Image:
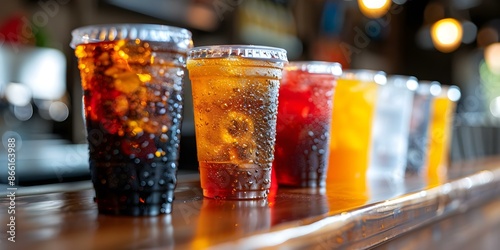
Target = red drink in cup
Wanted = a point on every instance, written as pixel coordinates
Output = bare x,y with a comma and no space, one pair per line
304,117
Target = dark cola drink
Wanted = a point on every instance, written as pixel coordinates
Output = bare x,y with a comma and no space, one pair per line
133,102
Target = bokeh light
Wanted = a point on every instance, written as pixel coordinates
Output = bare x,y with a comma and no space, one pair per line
446,34
23,113
58,111
18,94
433,12
495,107
453,93
486,36
374,8
470,32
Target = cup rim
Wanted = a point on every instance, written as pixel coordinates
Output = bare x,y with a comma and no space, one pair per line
315,67
451,92
260,52
368,75
403,81
431,88
180,37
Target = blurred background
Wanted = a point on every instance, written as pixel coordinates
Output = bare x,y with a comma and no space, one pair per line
455,42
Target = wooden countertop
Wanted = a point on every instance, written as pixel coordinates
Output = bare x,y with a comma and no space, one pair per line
64,216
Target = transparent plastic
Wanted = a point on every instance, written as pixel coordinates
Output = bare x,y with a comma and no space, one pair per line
304,119
132,82
365,75
440,133
243,51
173,37
418,138
315,67
354,105
235,100
390,130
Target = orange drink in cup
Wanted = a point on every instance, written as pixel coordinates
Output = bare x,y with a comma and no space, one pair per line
235,99
441,128
353,110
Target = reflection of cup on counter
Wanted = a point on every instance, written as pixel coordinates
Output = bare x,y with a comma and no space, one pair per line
132,79
235,98
220,220
343,196
139,232
306,203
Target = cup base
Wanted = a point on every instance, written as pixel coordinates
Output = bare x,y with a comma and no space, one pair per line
236,195
235,181
124,188
306,183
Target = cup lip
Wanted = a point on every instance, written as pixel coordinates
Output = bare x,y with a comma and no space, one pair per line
315,67
451,92
403,81
431,88
368,75
259,52
180,37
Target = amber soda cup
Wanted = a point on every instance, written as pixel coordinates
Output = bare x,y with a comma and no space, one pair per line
132,79
235,99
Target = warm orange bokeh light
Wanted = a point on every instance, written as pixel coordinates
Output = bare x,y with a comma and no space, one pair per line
374,8
446,34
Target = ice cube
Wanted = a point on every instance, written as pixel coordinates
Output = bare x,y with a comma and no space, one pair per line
127,82
236,127
243,151
121,105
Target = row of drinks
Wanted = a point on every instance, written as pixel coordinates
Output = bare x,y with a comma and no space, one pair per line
253,112
374,126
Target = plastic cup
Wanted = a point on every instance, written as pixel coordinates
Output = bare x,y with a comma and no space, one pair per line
418,139
441,128
390,129
132,79
235,100
303,127
353,109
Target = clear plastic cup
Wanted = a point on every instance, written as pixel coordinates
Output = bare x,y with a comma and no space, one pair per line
418,139
440,133
353,110
235,99
390,129
132,79
304,119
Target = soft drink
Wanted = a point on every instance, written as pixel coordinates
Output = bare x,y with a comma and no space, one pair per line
304,118
353,109
235,98
132,79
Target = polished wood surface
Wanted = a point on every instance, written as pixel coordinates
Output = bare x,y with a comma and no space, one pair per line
64,216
